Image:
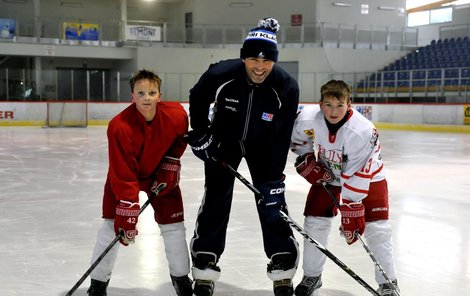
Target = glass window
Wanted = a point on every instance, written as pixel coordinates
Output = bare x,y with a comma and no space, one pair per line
418,18
441,15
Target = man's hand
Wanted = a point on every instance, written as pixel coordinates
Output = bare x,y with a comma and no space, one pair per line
352,220
204,145
125,222
168,173
311,170
274,199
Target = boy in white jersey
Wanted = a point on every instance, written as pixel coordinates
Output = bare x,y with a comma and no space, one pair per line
338,145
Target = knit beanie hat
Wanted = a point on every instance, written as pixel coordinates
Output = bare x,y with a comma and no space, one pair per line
261,42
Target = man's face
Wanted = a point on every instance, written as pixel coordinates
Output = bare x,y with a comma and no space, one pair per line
146,97
258,69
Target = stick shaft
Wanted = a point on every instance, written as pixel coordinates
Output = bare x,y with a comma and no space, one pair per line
304,234
111,245
359,237
259,196
330,255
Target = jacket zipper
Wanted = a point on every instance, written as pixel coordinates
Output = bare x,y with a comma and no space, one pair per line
247,121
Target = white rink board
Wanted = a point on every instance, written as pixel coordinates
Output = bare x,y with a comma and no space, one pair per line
35,113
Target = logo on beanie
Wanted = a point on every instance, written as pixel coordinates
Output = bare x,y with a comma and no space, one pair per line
262,35
261,55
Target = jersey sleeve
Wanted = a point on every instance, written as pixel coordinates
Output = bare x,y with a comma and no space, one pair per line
302,134
363,162
181,123
123,164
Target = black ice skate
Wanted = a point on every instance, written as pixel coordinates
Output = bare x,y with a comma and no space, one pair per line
97,288
283,288
386,289
308,285
203,288
183,285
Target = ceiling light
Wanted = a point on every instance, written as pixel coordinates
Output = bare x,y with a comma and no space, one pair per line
389,8
241,4
341,4
15,1
71,4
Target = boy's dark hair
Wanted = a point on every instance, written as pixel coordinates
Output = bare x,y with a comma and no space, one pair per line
145,74
337,89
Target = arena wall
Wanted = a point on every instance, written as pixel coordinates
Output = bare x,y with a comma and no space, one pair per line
429,117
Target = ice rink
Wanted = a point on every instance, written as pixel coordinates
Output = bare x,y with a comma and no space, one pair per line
51,184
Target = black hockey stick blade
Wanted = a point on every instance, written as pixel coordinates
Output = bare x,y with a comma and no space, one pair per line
328,254
113,242
359,237
259,196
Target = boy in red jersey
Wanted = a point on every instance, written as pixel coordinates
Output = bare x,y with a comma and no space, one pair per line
145,142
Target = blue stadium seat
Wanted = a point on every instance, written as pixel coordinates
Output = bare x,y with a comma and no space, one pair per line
439,63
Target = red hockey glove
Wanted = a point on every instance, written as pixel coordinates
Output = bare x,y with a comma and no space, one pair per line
127,214
168,173
352,220
311,170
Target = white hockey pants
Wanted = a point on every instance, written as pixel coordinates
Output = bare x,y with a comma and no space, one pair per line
174,239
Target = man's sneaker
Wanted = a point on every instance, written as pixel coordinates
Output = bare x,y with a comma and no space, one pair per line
203,288
308,285
283,288
97,288
386,289
183,285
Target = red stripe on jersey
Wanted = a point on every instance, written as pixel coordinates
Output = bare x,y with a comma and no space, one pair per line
361,175
377,171
378,148
344,176
365,176
354,189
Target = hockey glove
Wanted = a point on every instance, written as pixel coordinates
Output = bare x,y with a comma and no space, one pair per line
204,145
168,173
311,170
352,220
125,222
274,199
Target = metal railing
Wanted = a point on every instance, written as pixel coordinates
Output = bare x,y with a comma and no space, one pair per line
51,31
408,86
112,86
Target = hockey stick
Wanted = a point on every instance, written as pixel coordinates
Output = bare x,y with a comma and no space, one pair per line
258,194
329,254
359,237
305,235
113,242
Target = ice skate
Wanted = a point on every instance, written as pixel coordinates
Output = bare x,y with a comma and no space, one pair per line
97,288
283,288
183,285
203,288
308,285
386,289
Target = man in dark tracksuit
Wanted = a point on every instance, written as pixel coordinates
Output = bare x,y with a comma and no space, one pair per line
255,105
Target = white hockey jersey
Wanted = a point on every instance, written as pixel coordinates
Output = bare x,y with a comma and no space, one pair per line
352,154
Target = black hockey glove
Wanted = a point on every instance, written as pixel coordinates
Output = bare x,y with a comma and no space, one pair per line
204,145
274,199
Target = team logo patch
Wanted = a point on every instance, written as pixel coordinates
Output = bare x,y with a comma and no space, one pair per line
310,133
374,138
267,116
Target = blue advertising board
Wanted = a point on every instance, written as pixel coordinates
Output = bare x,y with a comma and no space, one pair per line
7,28
81,31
